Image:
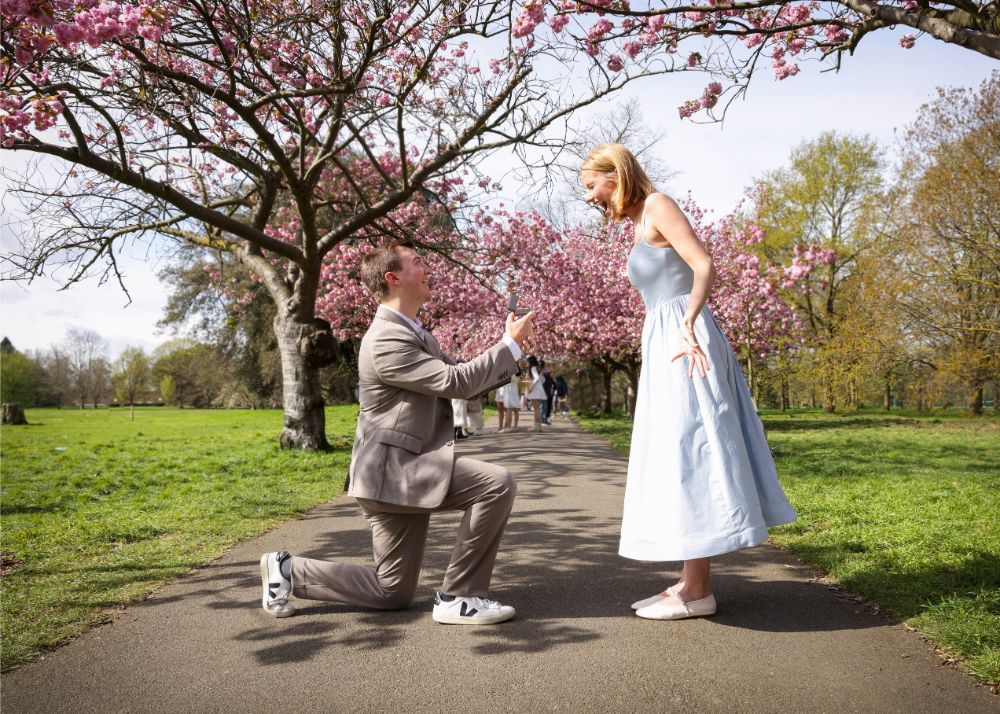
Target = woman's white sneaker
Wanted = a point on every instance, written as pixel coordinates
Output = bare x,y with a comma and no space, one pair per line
454,610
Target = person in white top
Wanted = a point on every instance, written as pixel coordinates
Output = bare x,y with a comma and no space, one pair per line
512,404
536,391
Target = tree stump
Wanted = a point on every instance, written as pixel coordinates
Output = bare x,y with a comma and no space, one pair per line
13,414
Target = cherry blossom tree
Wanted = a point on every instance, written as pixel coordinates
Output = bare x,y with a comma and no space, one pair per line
275,131
729,40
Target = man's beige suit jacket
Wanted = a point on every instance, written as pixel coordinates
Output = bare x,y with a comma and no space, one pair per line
404,449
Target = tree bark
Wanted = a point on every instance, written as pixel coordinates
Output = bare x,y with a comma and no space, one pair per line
633,391
887,399
977,401
13,414
828,398
606,374
304,348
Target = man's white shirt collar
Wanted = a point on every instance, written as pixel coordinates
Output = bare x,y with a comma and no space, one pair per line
415,324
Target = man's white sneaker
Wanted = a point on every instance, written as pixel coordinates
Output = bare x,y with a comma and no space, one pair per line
469,610
276,588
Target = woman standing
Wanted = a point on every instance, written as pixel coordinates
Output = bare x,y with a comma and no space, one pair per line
701,480
501,411
536,391
512,403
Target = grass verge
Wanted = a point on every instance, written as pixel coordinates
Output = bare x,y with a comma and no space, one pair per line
900,509
97,510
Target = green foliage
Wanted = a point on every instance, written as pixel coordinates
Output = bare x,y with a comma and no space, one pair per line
168,389
97,510
901,510
19,378
196,369
130,375
828,193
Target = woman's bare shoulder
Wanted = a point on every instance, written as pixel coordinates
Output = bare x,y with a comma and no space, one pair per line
660,201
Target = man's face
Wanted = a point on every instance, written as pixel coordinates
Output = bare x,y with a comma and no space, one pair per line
599,187
411,278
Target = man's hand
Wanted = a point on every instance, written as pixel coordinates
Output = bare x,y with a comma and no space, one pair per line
521,330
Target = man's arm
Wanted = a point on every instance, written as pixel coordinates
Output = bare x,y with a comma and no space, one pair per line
400,362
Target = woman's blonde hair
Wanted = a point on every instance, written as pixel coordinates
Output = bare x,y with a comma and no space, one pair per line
633,184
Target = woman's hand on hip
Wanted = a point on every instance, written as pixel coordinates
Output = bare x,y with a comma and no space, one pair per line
696,357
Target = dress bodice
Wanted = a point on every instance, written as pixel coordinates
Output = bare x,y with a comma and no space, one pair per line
658,273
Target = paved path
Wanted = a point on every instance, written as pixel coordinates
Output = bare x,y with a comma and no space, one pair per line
779,643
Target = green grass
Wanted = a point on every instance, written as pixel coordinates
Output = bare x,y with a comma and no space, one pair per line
901,509
97,510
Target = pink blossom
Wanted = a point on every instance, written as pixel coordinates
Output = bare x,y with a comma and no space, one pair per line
907,41
559,22
632,48
599,29
615,63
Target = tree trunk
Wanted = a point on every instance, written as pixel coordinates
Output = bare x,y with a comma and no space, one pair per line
606,374
304,348
977,401
13,414
828,403
633,391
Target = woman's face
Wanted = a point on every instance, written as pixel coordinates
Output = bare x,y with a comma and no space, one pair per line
599,187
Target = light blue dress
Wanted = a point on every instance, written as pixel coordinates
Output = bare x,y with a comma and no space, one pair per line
701,480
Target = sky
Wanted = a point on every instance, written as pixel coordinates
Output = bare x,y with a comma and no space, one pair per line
877,91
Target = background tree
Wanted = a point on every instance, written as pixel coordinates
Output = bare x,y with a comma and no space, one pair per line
829,198
196,372
215,299
729,40
949,234
19,376
130,377
168,389
270,130
56,387
87,354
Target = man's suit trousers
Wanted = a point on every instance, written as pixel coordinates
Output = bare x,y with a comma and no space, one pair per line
484,491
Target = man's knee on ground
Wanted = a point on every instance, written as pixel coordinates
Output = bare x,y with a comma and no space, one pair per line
396,595
506,484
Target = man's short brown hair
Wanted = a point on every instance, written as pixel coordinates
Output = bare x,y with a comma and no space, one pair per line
382,260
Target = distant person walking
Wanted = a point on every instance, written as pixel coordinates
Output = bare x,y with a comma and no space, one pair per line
536,391
549,385
562,396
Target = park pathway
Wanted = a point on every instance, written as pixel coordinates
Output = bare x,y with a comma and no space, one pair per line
781,642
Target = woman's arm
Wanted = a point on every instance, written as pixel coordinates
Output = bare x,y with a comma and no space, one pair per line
666,217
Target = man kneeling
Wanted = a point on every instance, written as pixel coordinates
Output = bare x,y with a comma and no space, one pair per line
403,467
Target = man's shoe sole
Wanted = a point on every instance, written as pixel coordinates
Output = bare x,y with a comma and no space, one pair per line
465,620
